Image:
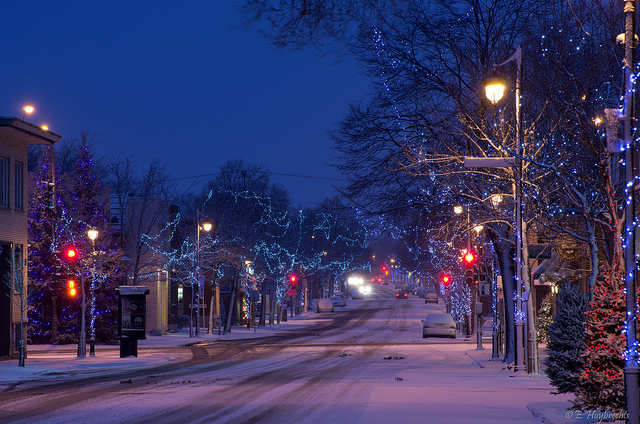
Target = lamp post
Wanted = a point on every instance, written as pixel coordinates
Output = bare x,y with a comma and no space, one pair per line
458,210
206,226
93,235
494,89
496,200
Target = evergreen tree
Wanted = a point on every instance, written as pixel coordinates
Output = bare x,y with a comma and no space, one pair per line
84,205
47,314
566,339
545,318
601,383
54,316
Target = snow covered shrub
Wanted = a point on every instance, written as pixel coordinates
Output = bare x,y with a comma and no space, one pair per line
601,382
566,340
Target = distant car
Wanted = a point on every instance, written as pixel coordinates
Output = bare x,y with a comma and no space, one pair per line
337,301
341,296
439,325
402,295
356,294
420,292
324,305
410,288
431,297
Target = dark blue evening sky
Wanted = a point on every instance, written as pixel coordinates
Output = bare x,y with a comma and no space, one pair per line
176,80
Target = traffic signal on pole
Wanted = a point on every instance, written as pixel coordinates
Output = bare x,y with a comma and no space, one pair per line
71,288
469,259
51,195
70,254
445,279
293,279
469,277
385,270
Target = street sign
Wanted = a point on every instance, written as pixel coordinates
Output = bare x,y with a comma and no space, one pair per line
474,162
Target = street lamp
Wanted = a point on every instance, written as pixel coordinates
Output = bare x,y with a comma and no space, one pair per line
494,89
206,226
28,109
92,233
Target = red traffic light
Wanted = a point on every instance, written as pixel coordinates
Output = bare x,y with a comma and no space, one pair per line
293,279
446,279
469,258
71,287
384,269
71,254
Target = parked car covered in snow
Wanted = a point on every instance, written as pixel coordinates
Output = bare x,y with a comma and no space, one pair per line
324,305
439,325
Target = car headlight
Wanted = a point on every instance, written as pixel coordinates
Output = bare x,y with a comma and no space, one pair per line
364,289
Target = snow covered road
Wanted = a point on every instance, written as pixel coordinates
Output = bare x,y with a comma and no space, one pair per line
366,363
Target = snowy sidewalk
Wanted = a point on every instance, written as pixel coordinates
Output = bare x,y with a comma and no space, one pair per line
51,361
552,410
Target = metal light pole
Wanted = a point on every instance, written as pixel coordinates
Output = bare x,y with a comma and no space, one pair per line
206,226
628,118
494,92
82,343
93,235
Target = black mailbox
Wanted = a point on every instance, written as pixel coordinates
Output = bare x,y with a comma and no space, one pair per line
131,318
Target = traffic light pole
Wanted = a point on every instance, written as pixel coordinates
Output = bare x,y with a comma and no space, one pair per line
82,342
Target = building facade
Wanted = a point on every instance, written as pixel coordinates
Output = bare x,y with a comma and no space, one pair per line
15,137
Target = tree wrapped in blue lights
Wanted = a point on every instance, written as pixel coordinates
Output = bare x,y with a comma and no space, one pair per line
77,210
46,276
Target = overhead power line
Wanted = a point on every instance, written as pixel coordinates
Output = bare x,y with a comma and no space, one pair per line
312,177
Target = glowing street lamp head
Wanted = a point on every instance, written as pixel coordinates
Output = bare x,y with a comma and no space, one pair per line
494,87
496,199
207,226
28,109
92,234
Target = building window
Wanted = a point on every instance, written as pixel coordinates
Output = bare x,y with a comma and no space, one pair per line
4,182
19,185
180,299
